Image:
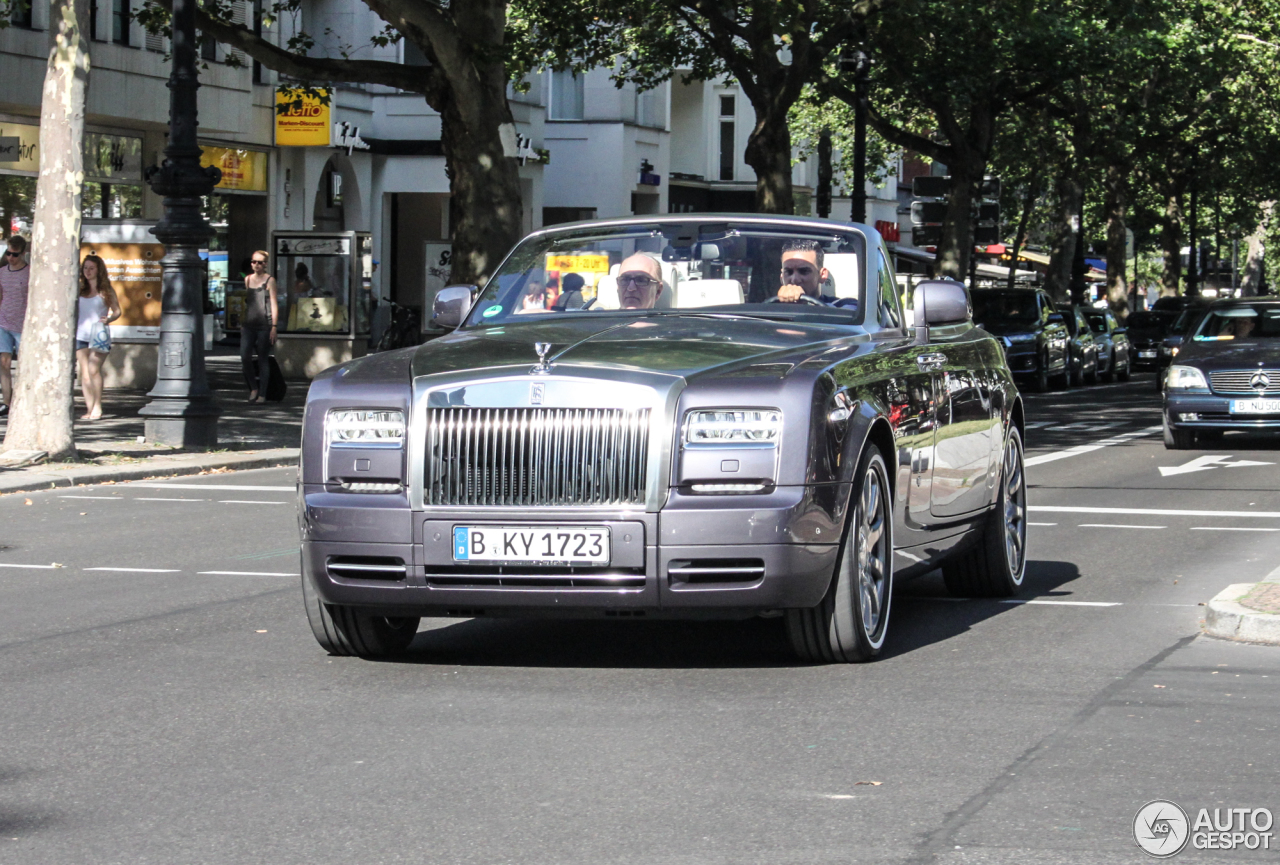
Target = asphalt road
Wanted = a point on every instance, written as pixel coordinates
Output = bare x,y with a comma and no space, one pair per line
164,701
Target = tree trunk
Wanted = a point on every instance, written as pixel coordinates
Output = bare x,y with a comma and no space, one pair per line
1066,226
1116,205
1251,280
42,406
769,153
485,184
1171,245
1028,204
956,247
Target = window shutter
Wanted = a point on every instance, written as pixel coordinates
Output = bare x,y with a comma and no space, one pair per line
239,15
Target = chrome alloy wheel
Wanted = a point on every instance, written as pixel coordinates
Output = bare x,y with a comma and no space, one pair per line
873,555
1015,508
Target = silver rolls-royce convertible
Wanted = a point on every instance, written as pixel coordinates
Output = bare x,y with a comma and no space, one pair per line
688,416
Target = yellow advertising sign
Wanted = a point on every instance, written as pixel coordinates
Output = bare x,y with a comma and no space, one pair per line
245,170
306,124
578,263
134,269
19,147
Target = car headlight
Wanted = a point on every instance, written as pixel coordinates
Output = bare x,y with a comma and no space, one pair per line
1185,378
733,426
1015,338
364,428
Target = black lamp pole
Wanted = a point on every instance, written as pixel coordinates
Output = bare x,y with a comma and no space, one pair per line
182,410
861,66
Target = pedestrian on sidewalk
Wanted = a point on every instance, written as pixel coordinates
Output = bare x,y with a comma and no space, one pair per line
15,277
97,307
258,326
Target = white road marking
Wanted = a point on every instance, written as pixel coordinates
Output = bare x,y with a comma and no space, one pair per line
248,574
1041,459
249,502
1229,529
139,570
1117,526
228,487
1207,463
100,498
1042,524
909,556
150,499
40,567
1153,512
1064,603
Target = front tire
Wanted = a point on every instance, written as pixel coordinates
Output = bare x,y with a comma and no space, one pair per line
996,565
343,631
1041,382
851,622
1178,439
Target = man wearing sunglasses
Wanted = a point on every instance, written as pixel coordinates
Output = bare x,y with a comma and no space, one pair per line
639,282
14,280
803,273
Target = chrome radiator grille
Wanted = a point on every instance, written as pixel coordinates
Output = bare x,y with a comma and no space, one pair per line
1237,381
536,456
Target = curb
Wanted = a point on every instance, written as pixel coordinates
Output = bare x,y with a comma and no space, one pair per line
1230,620
32,480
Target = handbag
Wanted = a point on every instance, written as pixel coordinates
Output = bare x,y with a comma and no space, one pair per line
100,338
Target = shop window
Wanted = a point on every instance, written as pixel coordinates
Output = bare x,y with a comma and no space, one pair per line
567,96
314,293
17,204
208,48
110,201
20,13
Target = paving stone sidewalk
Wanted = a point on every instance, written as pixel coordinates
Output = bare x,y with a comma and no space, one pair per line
249,435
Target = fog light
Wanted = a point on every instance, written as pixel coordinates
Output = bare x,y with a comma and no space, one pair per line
1188,415
728,488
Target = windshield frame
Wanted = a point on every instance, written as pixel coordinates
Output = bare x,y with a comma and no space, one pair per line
685,229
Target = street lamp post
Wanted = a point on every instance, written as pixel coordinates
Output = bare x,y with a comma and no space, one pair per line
861,66
182,410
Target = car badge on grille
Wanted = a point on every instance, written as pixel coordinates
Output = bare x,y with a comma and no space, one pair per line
1260,381
537,392
543,367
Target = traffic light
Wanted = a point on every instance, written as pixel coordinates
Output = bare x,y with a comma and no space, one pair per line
931,186
928,212
926,235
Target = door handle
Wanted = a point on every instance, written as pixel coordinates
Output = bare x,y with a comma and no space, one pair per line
931,361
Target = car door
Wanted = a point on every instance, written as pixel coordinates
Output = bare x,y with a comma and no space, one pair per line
963,445
1056,336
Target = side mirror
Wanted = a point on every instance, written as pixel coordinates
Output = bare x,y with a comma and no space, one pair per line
1056,318
451,304
941,301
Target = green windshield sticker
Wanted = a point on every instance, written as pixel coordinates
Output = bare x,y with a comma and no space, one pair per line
492,311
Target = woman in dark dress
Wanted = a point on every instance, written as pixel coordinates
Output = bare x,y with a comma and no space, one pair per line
258,326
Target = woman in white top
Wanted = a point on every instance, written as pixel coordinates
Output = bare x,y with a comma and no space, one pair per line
97,306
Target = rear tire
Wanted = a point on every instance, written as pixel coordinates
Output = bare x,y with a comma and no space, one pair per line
343,631
851,622
996,565
1178,439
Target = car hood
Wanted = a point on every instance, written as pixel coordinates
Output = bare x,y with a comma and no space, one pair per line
1230,355
677,345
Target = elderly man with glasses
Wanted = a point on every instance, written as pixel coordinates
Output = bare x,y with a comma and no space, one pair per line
639,282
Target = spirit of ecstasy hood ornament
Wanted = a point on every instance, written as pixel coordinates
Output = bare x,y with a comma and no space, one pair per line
543,368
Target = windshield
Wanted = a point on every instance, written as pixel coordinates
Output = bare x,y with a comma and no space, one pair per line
1239,323
1097,321
668,267
1186,318
989,306
1148,320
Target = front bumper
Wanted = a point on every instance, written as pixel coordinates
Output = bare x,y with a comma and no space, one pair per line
699,556
1022,360
1210,411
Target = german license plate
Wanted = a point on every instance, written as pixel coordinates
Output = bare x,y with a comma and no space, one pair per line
588,545
1255,406
1146,354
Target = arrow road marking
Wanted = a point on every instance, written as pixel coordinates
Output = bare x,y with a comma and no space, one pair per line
1205,463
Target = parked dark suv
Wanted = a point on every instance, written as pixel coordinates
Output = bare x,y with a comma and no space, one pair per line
1032,331
1227,375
